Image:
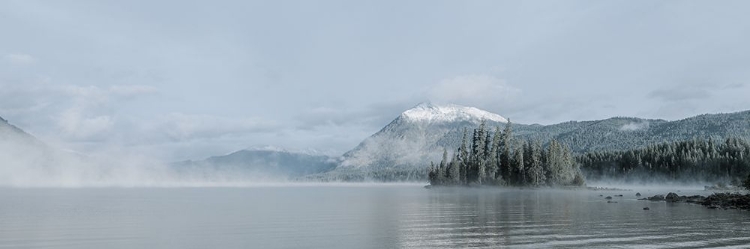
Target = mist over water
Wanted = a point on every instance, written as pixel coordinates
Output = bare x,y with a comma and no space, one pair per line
62,169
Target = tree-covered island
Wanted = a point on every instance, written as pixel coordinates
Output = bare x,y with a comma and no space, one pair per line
497,159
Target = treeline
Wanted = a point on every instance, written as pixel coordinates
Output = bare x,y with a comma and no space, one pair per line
696,159
495,158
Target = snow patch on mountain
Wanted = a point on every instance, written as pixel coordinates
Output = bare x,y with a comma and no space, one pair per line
427,112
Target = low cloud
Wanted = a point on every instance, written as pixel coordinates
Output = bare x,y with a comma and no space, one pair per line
373,116
685,100
634,126
478,90
20,59
181,126
76,113
100,94
681,93
77,126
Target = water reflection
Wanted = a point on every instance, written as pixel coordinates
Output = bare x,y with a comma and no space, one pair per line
357,217
561,218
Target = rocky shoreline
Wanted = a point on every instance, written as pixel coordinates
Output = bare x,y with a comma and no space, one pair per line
714,201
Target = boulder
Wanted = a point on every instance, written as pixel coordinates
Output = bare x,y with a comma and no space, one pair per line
637,194
656,198
672,197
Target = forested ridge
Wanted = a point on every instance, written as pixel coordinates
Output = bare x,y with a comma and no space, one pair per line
627,133
695,159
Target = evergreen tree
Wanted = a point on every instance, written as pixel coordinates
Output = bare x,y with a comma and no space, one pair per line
488,143
566,165
493,156
554,164
505,167
518,165
463,158
442,171
453,171
479,153
536,170
444,161
432,175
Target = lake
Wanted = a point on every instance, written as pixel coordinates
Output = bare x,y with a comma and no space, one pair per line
358,216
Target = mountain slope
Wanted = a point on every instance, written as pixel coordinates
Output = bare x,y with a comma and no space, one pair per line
417,136
414,138
10,133
23,158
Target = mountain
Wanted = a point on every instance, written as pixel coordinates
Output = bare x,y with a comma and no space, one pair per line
261,163
405,147
414,138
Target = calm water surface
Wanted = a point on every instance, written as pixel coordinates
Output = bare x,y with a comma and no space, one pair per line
357,217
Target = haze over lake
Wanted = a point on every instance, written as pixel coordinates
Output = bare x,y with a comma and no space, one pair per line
374,124
358,216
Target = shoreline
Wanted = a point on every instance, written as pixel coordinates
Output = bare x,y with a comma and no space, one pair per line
714,201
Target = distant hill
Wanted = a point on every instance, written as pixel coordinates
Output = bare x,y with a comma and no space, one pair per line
261,164
632,133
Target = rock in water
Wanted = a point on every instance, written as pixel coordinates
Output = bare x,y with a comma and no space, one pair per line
646,208
637,194
672,197
656,198
608,197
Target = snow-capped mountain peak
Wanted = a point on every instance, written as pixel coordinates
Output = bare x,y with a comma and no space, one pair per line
428,112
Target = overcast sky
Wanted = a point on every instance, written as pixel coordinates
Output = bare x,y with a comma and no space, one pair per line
186,79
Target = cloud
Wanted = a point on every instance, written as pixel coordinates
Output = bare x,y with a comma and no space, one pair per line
679,93
478,90
680,101
77,125
132,90
373,116
20,59
634,126
181,126
88,114
73,112
99,94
